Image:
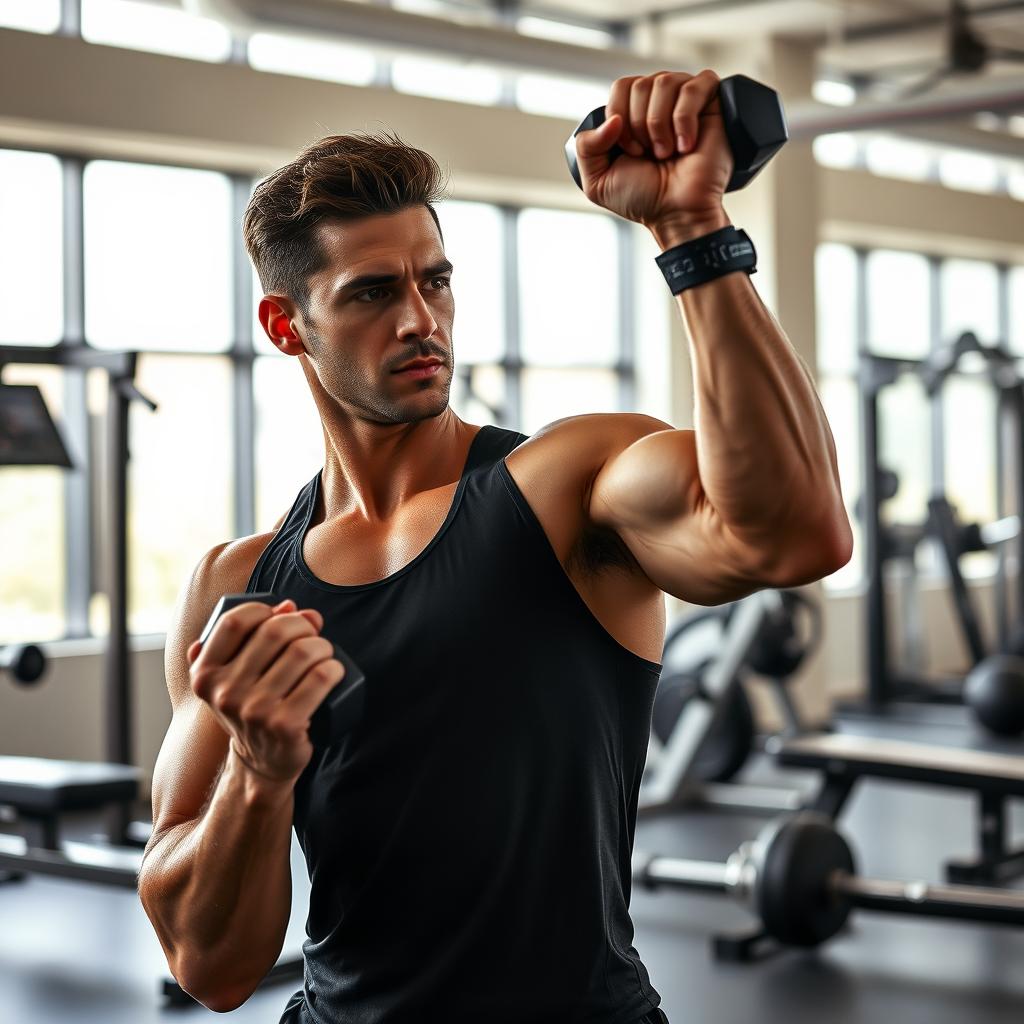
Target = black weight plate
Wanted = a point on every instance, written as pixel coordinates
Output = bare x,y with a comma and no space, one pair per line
793,896
788,635
728,744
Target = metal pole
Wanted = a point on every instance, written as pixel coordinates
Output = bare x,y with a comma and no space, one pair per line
1015,400
513,368
244,455
958,902
944,526
874,562
80,483
698,875
1004,417
117,673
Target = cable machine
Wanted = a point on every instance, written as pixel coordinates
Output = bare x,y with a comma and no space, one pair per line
888,543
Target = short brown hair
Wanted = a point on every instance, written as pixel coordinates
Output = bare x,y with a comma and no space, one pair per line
339,177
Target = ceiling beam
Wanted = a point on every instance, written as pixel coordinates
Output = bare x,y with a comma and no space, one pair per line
401,31
994,95
922,22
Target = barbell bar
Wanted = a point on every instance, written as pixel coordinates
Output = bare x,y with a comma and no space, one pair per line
799,877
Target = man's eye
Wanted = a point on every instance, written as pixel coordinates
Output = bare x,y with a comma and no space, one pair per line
370,295
445,282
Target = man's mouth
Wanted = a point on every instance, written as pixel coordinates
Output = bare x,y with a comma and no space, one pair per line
420,368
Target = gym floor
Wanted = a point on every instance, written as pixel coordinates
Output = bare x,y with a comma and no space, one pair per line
72,952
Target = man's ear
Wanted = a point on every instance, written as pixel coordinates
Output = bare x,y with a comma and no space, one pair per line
277,317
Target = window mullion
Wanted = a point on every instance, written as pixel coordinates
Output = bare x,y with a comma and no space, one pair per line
242,368
80,483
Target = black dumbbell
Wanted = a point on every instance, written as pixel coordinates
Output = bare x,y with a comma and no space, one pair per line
342,709
25,662
755,125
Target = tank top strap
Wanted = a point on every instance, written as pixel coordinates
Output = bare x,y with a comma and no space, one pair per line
491,444
275,555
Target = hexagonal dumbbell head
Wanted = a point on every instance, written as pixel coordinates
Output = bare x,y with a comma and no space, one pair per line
755,125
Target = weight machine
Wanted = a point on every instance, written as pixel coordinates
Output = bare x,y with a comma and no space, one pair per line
886,544
121,392
703,726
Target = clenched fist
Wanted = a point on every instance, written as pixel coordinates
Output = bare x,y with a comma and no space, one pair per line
264,672
676,162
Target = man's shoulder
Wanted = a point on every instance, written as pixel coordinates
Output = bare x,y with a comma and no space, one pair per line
582,444
234,559
555,470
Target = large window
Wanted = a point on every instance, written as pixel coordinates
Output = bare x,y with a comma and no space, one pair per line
893,156
32,507
447,79
559,96
474,242
33,579
31,281
312,58
30,15
906,304
157,27
235,433
289,438
158,244
898,307
569,314
180,478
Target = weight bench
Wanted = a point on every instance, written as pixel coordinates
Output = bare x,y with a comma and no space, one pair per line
995,778
40,790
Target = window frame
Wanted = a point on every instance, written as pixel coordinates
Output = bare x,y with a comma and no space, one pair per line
81,487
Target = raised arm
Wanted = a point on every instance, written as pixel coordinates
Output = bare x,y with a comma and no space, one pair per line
751,497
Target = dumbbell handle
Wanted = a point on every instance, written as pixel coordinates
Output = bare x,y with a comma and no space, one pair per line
342,708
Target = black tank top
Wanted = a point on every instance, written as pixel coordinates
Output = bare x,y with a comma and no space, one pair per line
469,844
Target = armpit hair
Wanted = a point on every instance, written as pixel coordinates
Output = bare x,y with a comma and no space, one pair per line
600,550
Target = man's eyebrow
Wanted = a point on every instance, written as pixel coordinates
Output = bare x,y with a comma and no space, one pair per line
374,280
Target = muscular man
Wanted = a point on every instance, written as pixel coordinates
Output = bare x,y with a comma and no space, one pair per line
469,843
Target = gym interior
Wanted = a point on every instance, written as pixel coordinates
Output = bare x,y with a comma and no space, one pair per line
145,417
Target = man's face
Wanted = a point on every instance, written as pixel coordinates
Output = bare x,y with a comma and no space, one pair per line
382,299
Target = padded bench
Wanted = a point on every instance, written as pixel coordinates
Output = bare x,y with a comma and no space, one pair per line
995,778
42,789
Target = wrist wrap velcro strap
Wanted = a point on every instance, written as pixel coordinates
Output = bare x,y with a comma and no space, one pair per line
705,258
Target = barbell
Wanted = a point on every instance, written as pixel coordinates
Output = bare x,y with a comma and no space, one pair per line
799,878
